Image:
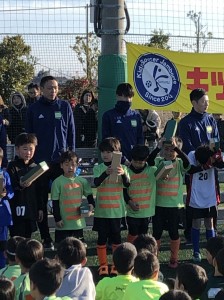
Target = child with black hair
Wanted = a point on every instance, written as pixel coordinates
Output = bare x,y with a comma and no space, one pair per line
46,276
212,247
147,242
146,268
114,288
27,203
202,194
192,279
77,282
28,252
216,281
110,206
12,270
170,282
141,193
7,289
6,194
169,196
175,295
66,193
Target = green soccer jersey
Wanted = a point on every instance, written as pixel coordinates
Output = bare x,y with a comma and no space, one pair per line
113,288
169,191
69,192
109,198
145,290
11,272
22,285
142,191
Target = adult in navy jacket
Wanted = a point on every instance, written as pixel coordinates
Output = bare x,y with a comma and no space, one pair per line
198,127
195,129
123,123
52,121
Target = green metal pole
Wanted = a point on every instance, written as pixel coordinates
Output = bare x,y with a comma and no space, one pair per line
112,66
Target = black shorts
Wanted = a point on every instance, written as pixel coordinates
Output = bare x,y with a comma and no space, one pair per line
201,213
137,226
107,225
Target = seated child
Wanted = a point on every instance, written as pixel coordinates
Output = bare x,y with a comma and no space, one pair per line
110,206
169,197
141,192
216,281
28,252
175,295
7,289
6,215
78,280
27,203
202,194
147,242
114,288
46,276
146,268
213,246
192,279
12,270
66,192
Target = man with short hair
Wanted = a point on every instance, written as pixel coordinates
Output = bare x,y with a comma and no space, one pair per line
51,119
195,129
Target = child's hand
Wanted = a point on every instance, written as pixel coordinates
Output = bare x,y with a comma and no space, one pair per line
24,184
91,208
134,206
109,170
120,170
40,216
160,143
173,142
59,224
3,194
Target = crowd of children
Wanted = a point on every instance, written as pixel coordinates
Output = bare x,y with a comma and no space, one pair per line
139,192
31,276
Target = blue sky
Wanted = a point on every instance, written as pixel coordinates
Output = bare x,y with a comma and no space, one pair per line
50,26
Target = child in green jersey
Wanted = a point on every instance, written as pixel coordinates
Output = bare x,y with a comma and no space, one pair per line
27,253
110,206
66,192
114,288
46,277
169,196
12,270
141,193
192,279
146,268
7,289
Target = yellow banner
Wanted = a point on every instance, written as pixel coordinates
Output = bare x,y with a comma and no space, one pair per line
163,79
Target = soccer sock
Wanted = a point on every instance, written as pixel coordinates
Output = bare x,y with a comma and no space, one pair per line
174,247
131,238
195,235
102,254
158,242
2,260
210,233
